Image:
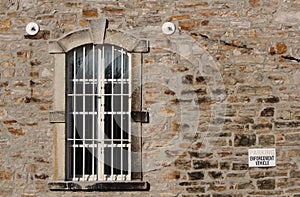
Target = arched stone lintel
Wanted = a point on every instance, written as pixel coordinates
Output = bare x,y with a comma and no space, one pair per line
96,34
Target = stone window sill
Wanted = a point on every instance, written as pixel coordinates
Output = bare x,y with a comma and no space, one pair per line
98,186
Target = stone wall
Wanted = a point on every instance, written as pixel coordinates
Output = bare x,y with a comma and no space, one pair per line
227,80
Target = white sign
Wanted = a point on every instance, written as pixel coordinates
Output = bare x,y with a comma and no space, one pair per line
265,157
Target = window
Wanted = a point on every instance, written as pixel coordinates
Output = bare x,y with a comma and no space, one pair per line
98,114
97,125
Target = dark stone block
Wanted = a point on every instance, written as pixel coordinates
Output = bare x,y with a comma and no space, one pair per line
188,183
200,155
262,126
240,166
267,112
215,175
196,175
245,140
188,79
183,164
200,164
203,100
268,184
195,189
41,176
287,124
273,99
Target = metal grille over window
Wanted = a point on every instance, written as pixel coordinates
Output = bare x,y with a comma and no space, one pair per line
98,114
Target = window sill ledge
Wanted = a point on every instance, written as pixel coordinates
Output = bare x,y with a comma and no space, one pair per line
98,186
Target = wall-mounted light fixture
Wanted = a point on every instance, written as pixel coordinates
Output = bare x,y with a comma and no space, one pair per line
32,28
168,28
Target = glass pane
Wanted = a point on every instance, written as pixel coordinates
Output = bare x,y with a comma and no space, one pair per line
107,126
125,103
79,104
88,127
90,103
117,160
117,88
125,126
117,128
125,67
89,62
78,161
79,63
90,88
107,103
117,67
107,160
125,160
125,89
117,103
78,88
108,62
78,126
107,88
88,161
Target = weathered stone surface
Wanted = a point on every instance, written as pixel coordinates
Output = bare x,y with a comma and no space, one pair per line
170,175
227,80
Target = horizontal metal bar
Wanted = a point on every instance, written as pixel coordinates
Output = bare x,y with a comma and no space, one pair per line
98,94
95,113
104,145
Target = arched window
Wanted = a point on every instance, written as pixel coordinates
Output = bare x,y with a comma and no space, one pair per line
97,110
98,113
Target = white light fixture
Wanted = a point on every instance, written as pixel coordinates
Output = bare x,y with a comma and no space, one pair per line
32,28
168,28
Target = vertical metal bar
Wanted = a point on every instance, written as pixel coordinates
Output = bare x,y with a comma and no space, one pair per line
122,103
74,114
112,111
129,122
93,116
101,113
83,118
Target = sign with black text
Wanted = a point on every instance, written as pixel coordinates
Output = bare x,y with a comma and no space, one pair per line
265,157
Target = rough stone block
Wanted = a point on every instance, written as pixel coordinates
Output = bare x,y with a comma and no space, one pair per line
196,175
245,140
5,176
267,184
170,175
204,164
